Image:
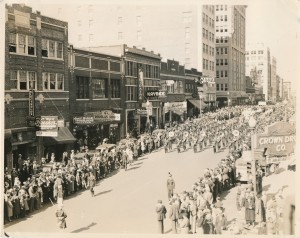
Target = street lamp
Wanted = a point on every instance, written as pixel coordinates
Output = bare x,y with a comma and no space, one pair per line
252,124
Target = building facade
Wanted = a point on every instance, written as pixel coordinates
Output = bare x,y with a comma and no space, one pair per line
230,54
286,90
273,97
36,85
95,97
258,67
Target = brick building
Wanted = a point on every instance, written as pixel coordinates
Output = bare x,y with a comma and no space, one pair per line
36,83
95,97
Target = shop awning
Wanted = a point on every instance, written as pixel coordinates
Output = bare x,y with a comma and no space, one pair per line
196,103
64,136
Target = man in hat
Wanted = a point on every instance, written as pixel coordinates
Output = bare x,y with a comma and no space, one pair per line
174,215
61,217
161,215
170,185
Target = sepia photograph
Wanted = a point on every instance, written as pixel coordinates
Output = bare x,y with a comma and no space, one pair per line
149,118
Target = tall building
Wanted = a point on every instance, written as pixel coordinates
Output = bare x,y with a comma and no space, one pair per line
258,66
286,89
36,86
178,31
230,54
273,80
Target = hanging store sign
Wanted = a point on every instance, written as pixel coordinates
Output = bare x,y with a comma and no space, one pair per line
141,112
48,122
83,120
31,103
176,105
279,140
141,84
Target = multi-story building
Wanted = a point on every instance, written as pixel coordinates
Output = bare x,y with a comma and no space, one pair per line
36,85
95,97
278,90
258,67
172,81
286,90
273,97
230,54
140,74
185,32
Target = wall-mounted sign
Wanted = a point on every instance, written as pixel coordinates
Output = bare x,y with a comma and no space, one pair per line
280,139
141,112
83,120
156,94
103,116
31,103
141,84
47,133
176,105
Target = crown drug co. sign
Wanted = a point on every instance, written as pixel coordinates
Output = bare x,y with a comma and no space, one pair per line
279,140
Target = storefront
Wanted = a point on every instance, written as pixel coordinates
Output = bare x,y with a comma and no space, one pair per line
92,128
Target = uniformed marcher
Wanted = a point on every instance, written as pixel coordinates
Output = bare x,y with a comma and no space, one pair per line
170,186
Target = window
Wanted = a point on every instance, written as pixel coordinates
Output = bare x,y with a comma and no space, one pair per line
53,81
120,35
212,51
253,52
226,87
225,51
187,48
225,73
120,20
218,87
91,37
203,32
217,7
99,88
139,35
217,74
203,63
115,88
91,23
22,80
82,89
131,68
21,44
187,17
225,62
222,88
139,20
217,18
222,75
131,93
225,18
187,33
225,30
52,49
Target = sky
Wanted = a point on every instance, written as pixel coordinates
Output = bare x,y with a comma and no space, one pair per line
272,22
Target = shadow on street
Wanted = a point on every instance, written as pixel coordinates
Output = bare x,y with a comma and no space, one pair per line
84,228
132,168
101,193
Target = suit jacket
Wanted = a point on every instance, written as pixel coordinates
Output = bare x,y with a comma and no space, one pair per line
174,212
161,212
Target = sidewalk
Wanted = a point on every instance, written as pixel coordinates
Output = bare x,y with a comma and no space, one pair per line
272,184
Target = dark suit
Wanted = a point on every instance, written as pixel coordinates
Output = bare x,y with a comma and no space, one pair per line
174,214
161,215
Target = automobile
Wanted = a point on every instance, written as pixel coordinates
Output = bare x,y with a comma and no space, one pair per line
103,147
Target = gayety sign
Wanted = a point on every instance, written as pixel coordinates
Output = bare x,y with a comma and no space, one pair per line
279,140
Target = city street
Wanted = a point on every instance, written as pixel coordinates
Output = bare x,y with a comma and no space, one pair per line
125,202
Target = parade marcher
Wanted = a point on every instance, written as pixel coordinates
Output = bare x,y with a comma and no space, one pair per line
61,217
92,183
193,214
170,186
161,215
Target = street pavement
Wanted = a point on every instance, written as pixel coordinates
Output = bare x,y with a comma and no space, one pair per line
124,202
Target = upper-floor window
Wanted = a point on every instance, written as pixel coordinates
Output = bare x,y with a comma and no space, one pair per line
115,88
82,89
99,88
52,49
187,17
131,92
22,80
139,20
21,44
53,81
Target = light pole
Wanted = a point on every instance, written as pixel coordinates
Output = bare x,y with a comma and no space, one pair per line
252,124
285,104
